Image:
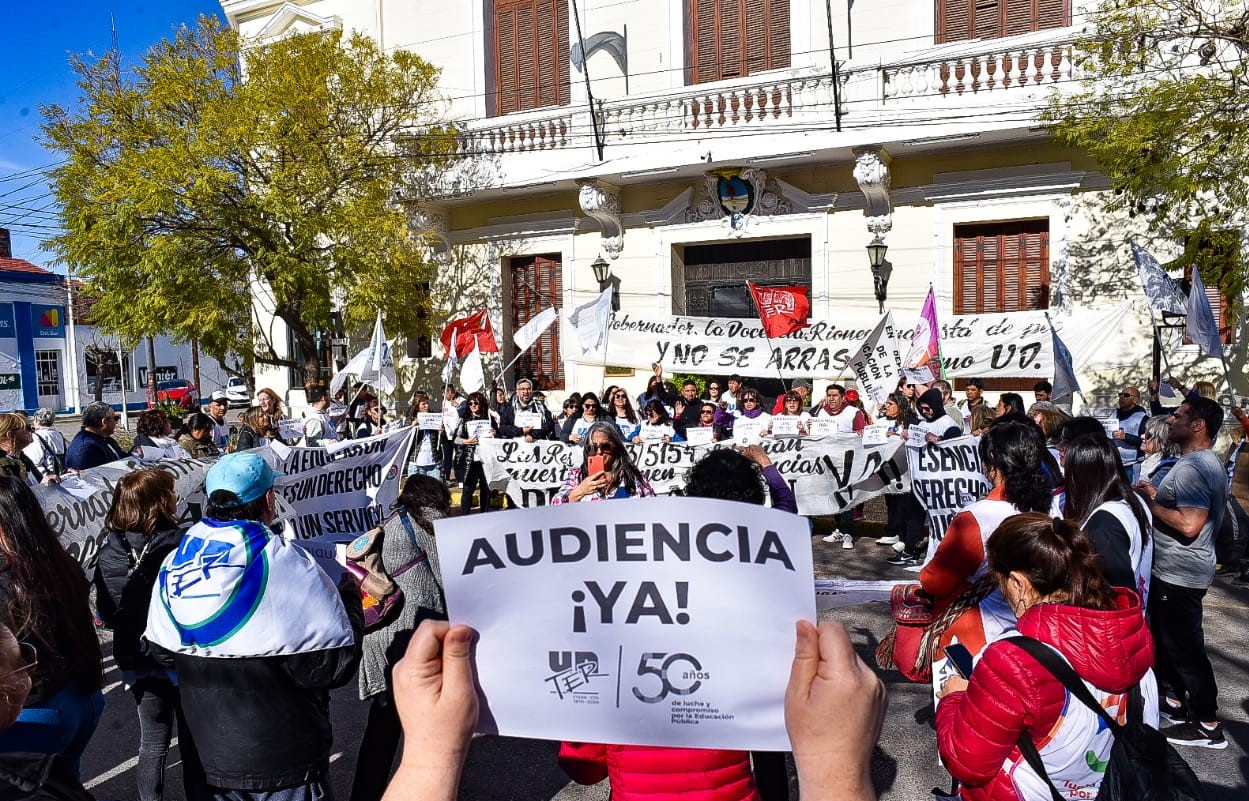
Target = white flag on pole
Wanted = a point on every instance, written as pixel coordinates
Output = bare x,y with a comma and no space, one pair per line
472,376
528,334
590,321
1065,383
1161,290
374,365
1201,326
448,370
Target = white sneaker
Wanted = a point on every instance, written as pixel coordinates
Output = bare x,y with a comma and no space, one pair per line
834,537
899,546
888,541
847,542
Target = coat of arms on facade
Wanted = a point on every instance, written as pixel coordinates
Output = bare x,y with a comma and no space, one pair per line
735,195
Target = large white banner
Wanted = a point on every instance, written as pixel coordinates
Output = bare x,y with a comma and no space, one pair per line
344,489
945,477
827,474
659,621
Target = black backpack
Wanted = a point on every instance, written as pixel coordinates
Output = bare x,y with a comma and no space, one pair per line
1143,766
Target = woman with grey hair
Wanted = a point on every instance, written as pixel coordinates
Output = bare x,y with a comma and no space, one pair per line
47,449
615,477
1161,453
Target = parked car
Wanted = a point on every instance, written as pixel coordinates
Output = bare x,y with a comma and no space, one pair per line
237,395
179,391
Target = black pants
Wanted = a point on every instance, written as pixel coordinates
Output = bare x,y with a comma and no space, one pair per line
448,459
475,478
157,704
905,520
1180,660
771,775
378,747
845,522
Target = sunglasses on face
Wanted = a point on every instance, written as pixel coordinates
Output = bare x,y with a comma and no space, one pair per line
1126,395
619,395
589,406
708,411
750,400
602,447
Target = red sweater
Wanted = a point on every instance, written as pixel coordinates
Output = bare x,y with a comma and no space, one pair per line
977,730
649,773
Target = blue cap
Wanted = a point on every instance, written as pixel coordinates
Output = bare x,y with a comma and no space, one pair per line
245,474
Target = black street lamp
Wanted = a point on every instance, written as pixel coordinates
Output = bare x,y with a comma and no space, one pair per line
881,269
602,274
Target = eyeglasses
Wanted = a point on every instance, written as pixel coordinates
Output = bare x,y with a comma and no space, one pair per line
570,405
716,387
708,411
1127,395
750,400
602,447
29,657
620,395
589,406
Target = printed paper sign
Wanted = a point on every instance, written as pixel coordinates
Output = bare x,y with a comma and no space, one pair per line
822,426
917,436
290,429
747,431
945,477
607,622
479,429
875,435
785,425
430,421
528,420
654,433
699,435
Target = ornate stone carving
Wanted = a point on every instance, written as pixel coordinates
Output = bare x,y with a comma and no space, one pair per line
602,202
431,223
871,170
735,196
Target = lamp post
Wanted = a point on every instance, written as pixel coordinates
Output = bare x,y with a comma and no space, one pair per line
602,274
881,269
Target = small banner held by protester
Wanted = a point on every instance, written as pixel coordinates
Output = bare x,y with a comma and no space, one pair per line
945,477
608,622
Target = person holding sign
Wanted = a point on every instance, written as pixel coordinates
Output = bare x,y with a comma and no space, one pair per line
525,416
657,427
606,470
626,418
476,421
426,448
793,420
752,421
318,427
904,524
576,427
848,420
937,424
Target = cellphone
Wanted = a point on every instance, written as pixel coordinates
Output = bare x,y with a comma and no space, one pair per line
960,658
595,465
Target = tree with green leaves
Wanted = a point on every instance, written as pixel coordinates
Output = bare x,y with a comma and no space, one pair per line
222,181
1164,110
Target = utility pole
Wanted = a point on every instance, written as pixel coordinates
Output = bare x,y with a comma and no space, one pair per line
828,8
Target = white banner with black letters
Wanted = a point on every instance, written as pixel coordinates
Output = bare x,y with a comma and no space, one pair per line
1013,344
877,364
945,477
606,622
827,474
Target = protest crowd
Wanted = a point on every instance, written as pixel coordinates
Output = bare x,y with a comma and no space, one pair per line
1072,580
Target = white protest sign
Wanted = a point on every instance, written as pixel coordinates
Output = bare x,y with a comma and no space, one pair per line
1015,344
916,436
785,425
528,420
699,435
877,364
875,435
290,429
607,622
945,477
728,345
430,421
748,431
479,429
655,433
822,426
343,489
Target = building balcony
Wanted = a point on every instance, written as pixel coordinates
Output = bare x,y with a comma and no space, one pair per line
990,88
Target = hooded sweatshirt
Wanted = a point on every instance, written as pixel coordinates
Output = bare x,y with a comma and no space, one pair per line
937,421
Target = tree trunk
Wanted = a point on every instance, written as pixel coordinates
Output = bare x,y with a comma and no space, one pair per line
151,373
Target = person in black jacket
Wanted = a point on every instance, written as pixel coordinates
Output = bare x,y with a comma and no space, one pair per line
94,444
524,401
258,636
139,532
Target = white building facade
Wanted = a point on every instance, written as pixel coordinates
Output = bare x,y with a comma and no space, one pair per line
696,144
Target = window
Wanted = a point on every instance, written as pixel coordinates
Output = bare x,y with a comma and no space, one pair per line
537,284
734,38
48,373
959,20
101,364
1002,267
530,54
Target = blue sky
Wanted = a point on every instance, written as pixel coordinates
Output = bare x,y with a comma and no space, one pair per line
35,71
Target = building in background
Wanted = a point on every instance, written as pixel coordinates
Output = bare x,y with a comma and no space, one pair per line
691,145
53,357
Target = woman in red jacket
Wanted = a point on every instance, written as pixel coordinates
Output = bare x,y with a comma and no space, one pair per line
1051,578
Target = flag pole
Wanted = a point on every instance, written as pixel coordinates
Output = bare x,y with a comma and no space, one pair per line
1056,339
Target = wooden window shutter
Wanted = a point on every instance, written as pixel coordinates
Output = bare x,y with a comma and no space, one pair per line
959,20
953,20
1020,17
778,34
705,41
987,19
734,38
537,283
1052,14
732,50
531,54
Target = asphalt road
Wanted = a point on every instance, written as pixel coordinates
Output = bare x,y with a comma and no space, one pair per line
904,765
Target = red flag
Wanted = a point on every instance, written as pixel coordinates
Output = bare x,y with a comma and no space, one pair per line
474,329
782,309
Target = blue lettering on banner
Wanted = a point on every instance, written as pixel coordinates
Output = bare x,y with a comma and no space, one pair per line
8,328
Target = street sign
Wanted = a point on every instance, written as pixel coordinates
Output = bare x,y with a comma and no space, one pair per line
10,381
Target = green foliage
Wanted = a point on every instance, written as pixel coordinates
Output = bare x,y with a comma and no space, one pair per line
184,187
1165,112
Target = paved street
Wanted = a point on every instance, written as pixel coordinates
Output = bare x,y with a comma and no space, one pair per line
904,767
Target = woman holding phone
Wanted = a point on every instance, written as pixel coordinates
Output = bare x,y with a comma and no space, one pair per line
606,471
